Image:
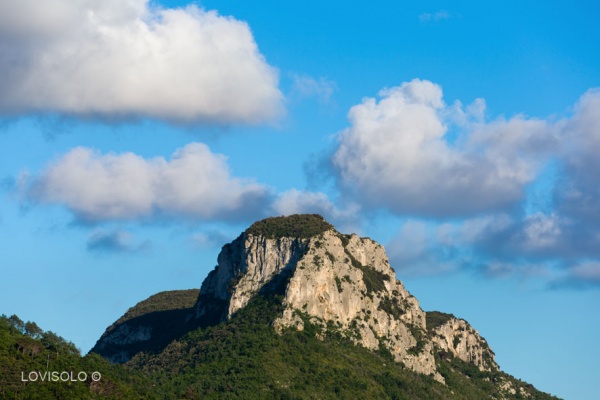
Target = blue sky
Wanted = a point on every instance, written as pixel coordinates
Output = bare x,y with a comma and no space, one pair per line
136,139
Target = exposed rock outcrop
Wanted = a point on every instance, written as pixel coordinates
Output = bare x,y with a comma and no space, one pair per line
459,338
340,282
244,267
346,283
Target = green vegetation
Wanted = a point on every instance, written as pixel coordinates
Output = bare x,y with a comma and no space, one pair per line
246,359
163,301
330,256
29,356
163,315
391,307
467,379
243,358
338,283
302,226
373,279
456,340
419,336
433,319
317,260
345,239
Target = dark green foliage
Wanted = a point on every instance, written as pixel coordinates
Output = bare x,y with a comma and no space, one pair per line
372,278
338,283
330,256
169,300
165,315
243,359
471,383
246,359
301,226
355,263
345,239
419,335
317,260
391,307
433,319
456,340
25,348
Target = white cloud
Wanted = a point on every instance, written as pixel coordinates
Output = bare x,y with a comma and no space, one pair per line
421,248
307,86
578,190
398,154
413,155
296,201
210,239
195,183
584,275
119,59
117,241
588,271
534,235
542,232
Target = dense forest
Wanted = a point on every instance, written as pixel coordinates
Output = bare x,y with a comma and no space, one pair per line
244,358
37,364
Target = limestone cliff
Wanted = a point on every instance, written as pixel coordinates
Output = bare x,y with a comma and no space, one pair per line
458,338
244,267
343,284
340,282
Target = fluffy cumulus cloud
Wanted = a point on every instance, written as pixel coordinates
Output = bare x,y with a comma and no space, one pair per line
126,58
411,153
195,183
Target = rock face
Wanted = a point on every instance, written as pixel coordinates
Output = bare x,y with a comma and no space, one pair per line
148,324
347,284
244,267
342,283
459,338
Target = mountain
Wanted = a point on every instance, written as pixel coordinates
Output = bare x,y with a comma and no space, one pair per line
150,325
295,309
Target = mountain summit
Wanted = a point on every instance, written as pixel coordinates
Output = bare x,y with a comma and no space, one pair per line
335,285
342,283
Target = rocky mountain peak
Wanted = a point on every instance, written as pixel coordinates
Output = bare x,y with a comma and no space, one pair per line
342,284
